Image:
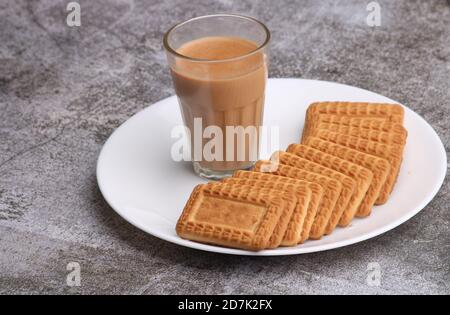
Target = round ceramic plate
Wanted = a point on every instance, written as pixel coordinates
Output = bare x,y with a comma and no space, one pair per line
142,183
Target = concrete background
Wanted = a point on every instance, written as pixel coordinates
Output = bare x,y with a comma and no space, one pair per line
64,90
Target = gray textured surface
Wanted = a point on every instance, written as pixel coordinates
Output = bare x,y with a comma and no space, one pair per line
64,90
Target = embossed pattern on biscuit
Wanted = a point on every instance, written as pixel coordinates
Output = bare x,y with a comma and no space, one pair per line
360,177
291,225
378,166
390,112
392,153
368,122
394,111
317,192
396,136
229,215
290,203
332,191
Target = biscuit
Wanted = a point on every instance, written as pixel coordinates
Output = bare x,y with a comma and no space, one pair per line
332,191
361,176
302,227
233,215
392,153
368,122
397,135
281,227
379,167
294,225
392,112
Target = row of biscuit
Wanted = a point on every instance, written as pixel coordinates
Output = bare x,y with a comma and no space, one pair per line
347,162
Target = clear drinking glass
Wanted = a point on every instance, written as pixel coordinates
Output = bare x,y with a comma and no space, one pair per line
219,70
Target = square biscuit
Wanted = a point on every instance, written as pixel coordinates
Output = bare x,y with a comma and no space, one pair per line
283,222
380,168
397,135
346,173
293,225
392,153
233,215
391,112
394,112
332,190
301,223
368,122
362,177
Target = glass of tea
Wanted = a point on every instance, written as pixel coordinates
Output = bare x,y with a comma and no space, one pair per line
219,69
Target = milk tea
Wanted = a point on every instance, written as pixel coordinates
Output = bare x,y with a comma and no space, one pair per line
222,82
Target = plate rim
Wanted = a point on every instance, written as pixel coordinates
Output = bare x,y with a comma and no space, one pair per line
289,250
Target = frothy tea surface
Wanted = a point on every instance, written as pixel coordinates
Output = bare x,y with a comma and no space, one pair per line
217,48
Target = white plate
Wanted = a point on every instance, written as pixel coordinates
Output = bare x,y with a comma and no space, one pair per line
141,182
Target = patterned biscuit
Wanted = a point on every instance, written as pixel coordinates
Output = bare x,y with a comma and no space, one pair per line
397,135
361,176
294,224
301,223
233,215
312,121
393,112
369,122
283,222
379,167
392,153
314,173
